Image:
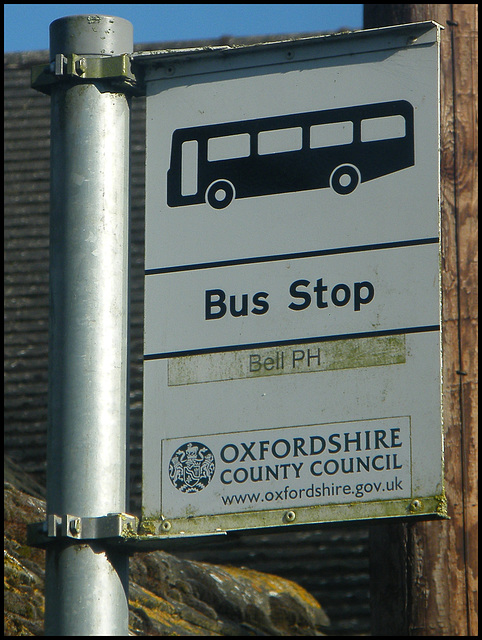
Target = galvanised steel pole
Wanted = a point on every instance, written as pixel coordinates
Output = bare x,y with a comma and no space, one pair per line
86,584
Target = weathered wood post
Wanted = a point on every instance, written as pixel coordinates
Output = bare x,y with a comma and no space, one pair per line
424,574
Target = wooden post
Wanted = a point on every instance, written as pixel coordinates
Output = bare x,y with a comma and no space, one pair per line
424,574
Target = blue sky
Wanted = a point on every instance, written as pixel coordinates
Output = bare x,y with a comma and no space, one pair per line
26,26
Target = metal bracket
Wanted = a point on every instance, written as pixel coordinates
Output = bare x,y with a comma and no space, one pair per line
114,526
115,69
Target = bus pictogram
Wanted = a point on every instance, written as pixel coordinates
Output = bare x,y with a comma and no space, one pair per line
337,148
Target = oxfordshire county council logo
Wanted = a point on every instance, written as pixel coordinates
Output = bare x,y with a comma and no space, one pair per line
191,467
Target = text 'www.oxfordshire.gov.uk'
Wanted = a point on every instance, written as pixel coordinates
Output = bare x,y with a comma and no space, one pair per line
325,490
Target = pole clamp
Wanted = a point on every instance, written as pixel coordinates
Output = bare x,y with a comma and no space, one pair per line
117,70
113,526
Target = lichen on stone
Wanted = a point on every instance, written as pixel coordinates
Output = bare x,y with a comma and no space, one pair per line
167,595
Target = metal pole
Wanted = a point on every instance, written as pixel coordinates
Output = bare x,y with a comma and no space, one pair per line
87,584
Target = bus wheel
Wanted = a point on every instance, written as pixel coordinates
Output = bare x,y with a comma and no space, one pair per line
345,179
220,194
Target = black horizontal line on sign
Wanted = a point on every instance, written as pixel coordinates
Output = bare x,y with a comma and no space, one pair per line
282,343
292,256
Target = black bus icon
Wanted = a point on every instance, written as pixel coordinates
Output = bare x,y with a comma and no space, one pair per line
337,148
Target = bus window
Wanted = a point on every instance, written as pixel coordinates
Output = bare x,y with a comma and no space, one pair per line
331,134
384,128
227,147
280,140
189,151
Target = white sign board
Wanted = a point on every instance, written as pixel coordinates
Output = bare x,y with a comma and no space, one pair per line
292,289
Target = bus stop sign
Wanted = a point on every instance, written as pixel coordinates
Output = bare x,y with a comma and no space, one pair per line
292,285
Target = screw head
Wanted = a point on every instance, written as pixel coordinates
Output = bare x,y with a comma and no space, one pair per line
415,505
166,525
290,516
74,526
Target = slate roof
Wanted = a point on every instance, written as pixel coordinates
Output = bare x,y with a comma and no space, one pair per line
26,238
330,561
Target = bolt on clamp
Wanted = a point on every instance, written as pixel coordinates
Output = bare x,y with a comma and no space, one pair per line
113,526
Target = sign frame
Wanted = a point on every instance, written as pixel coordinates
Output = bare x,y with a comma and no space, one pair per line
191,354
